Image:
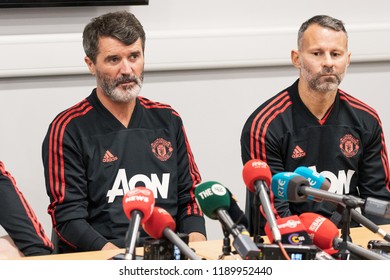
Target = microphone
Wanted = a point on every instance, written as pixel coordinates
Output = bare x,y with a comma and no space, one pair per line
257,177
162,224
316,179
360,251
138,205
239,218
379,245
298,190
359,218
292,231
321,230
296,243
325,236
214,200
285,186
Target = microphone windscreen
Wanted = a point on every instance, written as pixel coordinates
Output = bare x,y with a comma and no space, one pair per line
211,196
316,180
321,229
256,170
158,221
286,185
141,199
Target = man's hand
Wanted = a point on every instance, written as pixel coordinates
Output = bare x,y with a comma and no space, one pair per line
196,236
109,246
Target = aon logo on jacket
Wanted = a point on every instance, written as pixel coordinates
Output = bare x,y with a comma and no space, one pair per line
122,185
339,183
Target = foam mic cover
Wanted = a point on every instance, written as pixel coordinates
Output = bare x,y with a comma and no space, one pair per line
256,170
322,231
285,186
158,222
210,197
161,224
315,179
292,231
214,200
140,199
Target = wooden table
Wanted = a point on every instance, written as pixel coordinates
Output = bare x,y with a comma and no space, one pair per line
210,249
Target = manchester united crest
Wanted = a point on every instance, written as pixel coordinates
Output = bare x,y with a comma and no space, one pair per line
162,149
349,145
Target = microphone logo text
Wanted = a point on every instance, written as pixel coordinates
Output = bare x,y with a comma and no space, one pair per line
137,198
215,189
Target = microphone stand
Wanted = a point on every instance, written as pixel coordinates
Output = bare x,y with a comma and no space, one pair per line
345,230
350,202
226,248
131,235
257,217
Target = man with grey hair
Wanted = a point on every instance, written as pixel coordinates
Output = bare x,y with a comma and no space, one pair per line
114,141
315,124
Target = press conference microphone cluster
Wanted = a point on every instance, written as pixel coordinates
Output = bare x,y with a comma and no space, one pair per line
138,205
161,224
325,235
318,181
214,200
293,187
257,177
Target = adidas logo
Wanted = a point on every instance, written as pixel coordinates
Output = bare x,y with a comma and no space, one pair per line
298,152
108,157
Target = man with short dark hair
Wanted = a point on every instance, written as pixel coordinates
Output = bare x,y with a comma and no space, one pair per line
114,141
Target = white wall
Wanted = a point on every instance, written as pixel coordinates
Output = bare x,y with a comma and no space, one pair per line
213,61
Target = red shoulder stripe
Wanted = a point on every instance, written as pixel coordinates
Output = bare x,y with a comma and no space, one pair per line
152,104
148,104
261,122
354,102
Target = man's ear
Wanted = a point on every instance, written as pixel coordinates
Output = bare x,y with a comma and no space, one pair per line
90,64
349,58
295,59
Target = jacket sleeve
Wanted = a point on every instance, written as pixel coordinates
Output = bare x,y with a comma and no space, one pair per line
19,220
374,177
189,217
66,186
